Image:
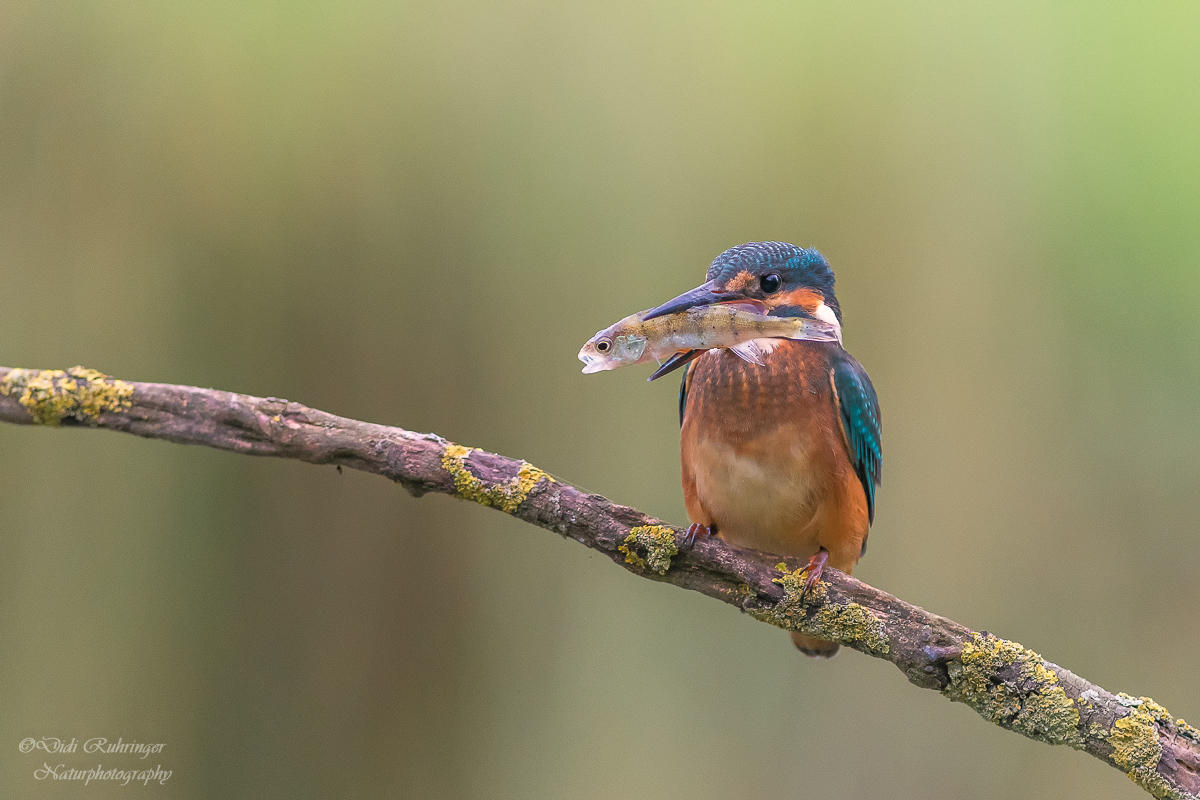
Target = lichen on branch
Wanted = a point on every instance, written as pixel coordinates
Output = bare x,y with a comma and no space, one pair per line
656,542
506,496
1012,687
810,613
52,395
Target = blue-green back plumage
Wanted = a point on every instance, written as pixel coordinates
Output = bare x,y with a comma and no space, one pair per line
683,387
859,409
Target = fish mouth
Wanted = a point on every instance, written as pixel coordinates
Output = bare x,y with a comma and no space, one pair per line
705,295
591,363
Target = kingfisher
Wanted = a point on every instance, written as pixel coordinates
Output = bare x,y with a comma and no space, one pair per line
784,456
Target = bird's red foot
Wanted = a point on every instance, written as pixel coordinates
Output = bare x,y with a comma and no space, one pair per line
696,531
812,571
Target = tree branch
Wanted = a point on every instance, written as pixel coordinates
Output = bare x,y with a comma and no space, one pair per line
1007,684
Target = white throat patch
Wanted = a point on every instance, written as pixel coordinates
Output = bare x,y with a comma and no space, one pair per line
825,314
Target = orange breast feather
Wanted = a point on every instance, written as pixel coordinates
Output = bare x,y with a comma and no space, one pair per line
764,458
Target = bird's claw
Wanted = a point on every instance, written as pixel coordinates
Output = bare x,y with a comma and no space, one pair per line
695,531
812,572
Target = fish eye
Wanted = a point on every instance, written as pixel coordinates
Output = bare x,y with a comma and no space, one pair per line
770,283
603,346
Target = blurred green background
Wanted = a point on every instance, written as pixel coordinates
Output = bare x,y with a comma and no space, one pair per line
415,213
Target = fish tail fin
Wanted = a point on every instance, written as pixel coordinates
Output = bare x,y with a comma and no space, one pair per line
815,330
748,351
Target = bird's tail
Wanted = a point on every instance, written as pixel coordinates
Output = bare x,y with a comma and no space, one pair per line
814,648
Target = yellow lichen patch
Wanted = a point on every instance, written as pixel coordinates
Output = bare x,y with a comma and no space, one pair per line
658,542
736,594
506,496
848,623
632,557
51,395
1157,712
1136,746
1012,686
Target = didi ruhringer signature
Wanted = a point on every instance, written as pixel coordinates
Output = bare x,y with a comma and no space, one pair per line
96,745
52,744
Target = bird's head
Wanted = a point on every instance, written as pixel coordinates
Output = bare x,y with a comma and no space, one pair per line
778,278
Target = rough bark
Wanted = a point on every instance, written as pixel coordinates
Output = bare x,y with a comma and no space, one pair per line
1006,683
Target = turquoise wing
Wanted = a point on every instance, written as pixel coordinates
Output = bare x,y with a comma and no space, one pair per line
859,407
683,390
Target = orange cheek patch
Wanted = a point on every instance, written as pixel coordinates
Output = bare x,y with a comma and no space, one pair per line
740,282
808,299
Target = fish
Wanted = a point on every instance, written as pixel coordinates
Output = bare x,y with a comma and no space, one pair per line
735,326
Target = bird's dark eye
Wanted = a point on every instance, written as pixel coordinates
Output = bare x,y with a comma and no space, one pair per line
603,345
770,283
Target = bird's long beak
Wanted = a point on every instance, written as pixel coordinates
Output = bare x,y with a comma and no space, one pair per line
704,295
675,362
